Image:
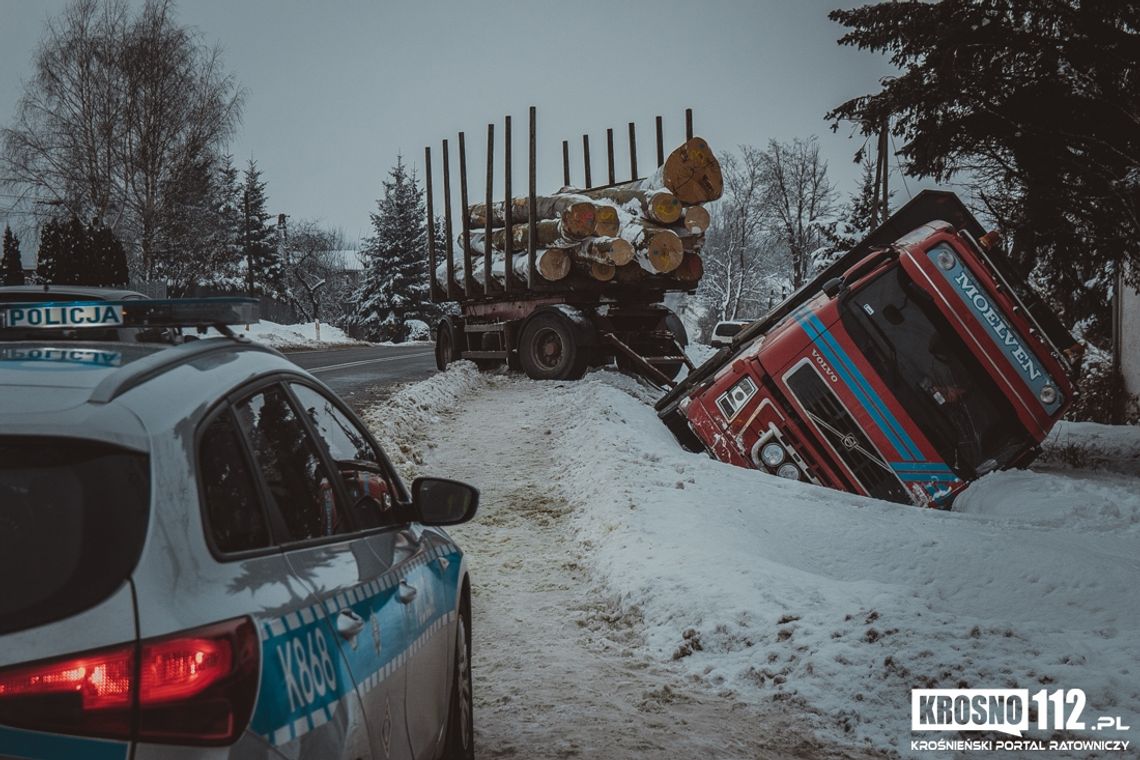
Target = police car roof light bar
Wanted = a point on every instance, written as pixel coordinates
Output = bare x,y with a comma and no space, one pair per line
174,312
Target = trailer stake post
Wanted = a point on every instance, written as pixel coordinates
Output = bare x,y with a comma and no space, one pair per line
688,124
566,163
468,275
532,237
632,151
508,256
610,155
586,159
447,228
433,284
490,199
660,143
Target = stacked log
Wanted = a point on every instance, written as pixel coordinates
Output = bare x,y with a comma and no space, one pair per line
646,232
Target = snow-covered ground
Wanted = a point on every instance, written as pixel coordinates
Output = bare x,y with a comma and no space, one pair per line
799,618
294,337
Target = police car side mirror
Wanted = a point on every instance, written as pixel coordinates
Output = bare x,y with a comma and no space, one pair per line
436,501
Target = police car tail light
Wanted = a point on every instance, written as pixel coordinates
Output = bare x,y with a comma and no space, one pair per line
196,687
89,694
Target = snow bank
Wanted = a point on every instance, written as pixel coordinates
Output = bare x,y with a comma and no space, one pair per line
294,337
403,423
834,603
840,603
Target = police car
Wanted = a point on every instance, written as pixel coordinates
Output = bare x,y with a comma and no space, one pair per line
204,553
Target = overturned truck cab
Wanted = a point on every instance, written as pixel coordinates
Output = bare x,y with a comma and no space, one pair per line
915,364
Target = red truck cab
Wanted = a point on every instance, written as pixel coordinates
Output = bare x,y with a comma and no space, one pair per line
913,369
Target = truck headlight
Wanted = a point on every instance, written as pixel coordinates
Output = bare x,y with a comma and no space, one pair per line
772,454
1048,394
789,471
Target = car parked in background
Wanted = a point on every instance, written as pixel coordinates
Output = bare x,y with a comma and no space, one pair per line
725,331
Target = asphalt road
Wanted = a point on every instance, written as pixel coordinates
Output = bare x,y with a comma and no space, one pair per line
362,375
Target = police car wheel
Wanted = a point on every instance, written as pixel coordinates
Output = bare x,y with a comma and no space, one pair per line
460,724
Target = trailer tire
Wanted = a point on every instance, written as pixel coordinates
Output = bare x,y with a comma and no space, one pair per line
549,349
446,350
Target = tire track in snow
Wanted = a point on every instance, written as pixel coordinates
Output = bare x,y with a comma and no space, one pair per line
560,669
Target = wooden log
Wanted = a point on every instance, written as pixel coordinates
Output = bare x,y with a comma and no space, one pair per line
551,264
692,172
692,269
657,249
601,272
575,211
607,223
657,205
611,250
696,219
548,231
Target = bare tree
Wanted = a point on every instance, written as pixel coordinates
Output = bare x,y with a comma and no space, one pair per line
119,108
318,283
799,202
739,256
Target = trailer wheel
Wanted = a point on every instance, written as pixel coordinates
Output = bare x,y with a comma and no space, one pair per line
549,349
445,352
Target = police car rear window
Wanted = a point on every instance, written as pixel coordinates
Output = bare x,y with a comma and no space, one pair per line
72,522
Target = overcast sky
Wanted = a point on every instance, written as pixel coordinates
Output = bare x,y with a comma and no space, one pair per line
335,89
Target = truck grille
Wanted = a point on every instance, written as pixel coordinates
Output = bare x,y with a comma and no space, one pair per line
845,437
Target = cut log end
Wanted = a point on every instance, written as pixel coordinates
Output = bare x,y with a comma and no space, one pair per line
693,173
663,207
553,263
665,251
691,269
602,272
606,221
578,219
697,219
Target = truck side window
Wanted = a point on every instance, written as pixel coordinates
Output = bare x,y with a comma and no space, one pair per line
291,466
233,510
371,495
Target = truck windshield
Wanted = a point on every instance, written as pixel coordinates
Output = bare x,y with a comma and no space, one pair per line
927,366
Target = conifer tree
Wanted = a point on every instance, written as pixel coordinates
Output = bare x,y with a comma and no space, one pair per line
395,286
1037,103
11,266
265,271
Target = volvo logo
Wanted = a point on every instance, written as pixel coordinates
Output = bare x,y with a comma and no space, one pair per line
824,366
849,442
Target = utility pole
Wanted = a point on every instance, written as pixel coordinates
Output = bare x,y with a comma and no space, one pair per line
246,234
880,201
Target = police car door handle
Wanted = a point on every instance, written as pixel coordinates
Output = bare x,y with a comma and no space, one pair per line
406,593
348,624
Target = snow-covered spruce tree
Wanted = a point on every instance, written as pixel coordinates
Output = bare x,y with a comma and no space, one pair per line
11,267
259,238
394,291
858,217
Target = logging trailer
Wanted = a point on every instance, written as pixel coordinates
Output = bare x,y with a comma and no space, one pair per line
551,330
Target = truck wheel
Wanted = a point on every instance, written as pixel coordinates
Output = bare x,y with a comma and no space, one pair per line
549,350
444,345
